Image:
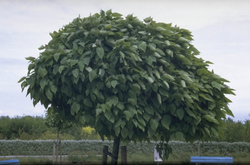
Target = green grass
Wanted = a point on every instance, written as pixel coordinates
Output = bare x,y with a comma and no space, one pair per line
135,158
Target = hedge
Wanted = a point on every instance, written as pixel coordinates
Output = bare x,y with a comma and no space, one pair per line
45,147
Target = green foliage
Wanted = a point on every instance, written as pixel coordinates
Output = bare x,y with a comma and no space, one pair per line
128,78
22,127
32,128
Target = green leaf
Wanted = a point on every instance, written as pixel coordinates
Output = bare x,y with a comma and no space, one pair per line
179,135
207,131
56,56
42,72
211,119
81,65
60,69
149,109
132,101
170,53
117,131
75,107
113,100
180,113
87,102
82,119
92,75
53,88
136,88
190,113
215,132
30,58
108,114
143,46
127,114
23,78
207,97
41,47
114,83
151,132
166,120
73,62
216,85
43,83
154,124
86,60
163,92
124,132
159,98
120,105
49,94
98,111
146,116
183,84
100,52
75,73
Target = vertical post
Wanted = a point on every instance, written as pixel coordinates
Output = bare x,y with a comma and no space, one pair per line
124,155
54,152
57,144
60,147
198,150
104,155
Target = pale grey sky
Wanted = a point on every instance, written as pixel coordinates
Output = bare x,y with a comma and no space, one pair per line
220,29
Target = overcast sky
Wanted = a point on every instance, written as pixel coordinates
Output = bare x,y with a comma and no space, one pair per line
221,30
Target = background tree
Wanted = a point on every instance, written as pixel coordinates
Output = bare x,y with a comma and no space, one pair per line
128,79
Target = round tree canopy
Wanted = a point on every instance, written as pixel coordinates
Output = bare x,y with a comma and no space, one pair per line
139,80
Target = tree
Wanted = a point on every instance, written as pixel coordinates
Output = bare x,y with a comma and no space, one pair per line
129,79
54,120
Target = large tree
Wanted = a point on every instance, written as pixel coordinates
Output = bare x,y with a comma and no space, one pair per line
129,79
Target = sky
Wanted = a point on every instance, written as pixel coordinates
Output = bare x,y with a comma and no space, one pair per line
220,28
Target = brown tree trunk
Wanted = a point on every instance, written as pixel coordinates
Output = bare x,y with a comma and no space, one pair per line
116,145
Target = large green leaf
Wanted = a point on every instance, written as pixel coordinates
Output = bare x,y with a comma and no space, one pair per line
56,56
154,124
75,73
75,107
87,102
216,85
136,88
42,72
114,83
108,114
124,132
92,75
100,52
81,65
143,46
211,119
49,94
149,110
180,113
151,132
113,100
127,115
166,120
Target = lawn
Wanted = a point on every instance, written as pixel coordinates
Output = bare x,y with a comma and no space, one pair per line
139,158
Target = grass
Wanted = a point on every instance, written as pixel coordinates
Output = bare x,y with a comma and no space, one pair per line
135,158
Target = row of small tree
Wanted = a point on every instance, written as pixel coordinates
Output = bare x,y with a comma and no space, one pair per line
30,128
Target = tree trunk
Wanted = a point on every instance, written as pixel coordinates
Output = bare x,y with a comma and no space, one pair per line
116,145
